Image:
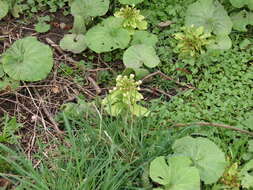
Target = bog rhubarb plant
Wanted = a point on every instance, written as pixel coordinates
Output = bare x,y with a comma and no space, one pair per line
132,19
192,41
123,99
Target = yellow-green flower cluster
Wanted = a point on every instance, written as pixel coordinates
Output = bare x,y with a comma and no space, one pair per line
132,19
124,97
192,41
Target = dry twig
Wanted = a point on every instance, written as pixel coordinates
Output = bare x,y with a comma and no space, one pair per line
215,125
167,78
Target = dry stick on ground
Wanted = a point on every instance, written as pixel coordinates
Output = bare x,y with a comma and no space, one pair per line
94,84
24,107
215,125
156,92
49,116
167,78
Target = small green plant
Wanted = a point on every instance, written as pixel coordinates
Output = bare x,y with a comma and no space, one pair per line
83,12
193,160
124,97
42,25
9,126
192,41
214,18
231,178
132,19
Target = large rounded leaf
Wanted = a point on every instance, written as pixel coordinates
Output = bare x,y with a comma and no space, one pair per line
241,3
144,37
88,8
28,60
211,15
4,8
206,156
176,175
221,42
130,2
138,55
74,43
241,20
107,36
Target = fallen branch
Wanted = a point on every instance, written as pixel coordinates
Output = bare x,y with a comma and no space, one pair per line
48,114
215,125
167,78
94,84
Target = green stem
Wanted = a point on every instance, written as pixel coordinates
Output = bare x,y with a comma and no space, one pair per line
79,25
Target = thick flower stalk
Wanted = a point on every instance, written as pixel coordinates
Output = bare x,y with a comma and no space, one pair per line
124,97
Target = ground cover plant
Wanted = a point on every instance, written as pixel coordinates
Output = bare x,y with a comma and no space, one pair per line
126,94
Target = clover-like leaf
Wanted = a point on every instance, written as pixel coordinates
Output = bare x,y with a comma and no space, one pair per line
28,60
144,37
4,8
176,175
241,3
241,20
247,175
211,15
130,2
107,36
88,8
73,42
206,156
138,55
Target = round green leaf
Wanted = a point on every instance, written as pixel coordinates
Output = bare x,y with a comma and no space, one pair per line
28,60
138,55
159,171
88,8
144,37
74,43
176,175
130,2
211,15
107,36
206,156
222,42
4,8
